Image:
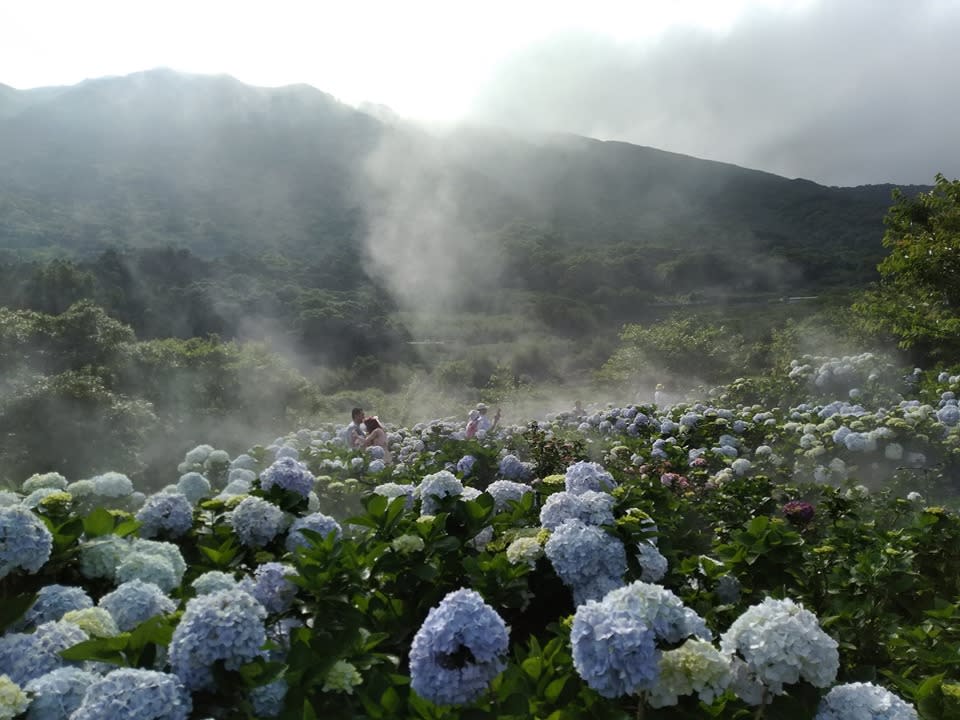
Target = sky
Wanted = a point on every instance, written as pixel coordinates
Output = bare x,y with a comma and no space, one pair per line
839,91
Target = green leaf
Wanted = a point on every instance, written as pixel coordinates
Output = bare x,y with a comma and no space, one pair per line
555,688
532,666
13,608
99,522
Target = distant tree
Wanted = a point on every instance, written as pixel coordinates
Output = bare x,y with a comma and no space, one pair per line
54,287
917,300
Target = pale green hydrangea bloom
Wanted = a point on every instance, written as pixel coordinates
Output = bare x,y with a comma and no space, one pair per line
342,677
694,667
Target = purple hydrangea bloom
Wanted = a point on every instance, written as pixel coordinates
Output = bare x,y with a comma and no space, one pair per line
25,542
270,586
290,474
136,601
134,694
168,514
318,522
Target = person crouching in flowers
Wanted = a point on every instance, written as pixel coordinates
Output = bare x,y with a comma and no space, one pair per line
473,424
367,432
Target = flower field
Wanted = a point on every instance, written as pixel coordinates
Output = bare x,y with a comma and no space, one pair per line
782,551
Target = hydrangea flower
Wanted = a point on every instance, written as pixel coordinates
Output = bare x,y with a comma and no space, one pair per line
58,693
134,694
213,581
224,626
406,544
798,512
167,550
290,475
460,648
342,677
194,486
665,613
148,568
25,542
166,513
270,586
24,657
728,589
53,601
694,667
525,550
614,652
13,701
99,557
318,522
653,565
583,476
438,485
267,700
394,490
112,485
45,480
134,602
465,465
588,560
512,468
863,701
590,507
34,499
377,465
781,643
94,621
198,455
256,521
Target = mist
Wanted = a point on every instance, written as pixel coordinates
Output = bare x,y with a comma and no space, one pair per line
841,93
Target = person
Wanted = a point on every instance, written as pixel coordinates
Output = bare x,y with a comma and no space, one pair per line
484,423
473,424
364,432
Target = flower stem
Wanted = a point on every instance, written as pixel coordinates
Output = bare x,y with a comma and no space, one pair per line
762,706
641,703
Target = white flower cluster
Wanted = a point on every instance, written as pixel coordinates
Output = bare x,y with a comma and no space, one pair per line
694,667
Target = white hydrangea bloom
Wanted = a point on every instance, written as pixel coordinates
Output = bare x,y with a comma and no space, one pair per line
694,667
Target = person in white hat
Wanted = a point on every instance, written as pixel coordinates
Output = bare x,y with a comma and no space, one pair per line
484,422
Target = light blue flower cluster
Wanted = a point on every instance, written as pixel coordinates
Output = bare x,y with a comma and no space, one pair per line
99,557
45,480
863,700
244,462
267,700
168,514
780,643
32,500
657,607
256,521
26,656
112,485
652,562
438,485
318,522
25,542
289,474
460,648
583,476
148,568
270,586
465,465
224,626
136,601
58,693
213,581
590,507
512,468
133,694
506,491
394,490
53,601
590,561
613,651
194,486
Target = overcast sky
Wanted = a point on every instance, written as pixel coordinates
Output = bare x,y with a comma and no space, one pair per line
838,91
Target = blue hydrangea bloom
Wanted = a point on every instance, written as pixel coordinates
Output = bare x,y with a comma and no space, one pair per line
438,485
270,586
166,514
614,653
863,700
194,486
588,560
53,601
213,581
460,648
32,500
224,626
512,469
136,601
100,556
133,694
287,452
583,476
24,657
25,542
267,700
149,568
394,490
505,491
256,521
378,465
44,480
657,607
58,693
465,464
590,507
244,462
112,485
318,522
289,474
